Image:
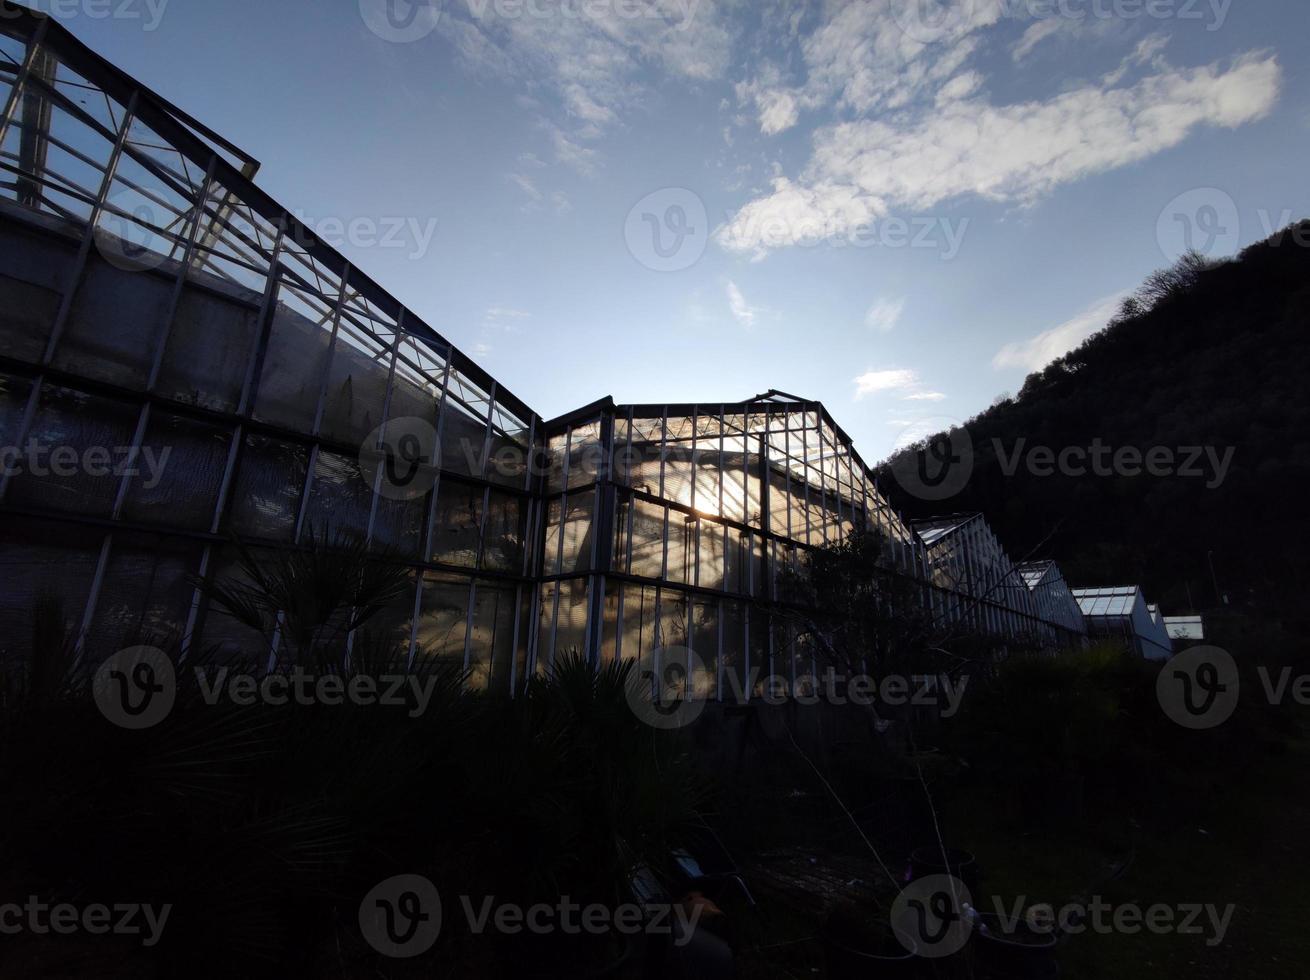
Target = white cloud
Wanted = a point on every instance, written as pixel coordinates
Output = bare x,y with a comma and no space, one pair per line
902,382
742,311
1015,153
879,382
884,314
504,318
526,185
1037,352
589,56
1045,28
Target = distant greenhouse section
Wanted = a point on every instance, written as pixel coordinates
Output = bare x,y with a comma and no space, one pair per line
154,300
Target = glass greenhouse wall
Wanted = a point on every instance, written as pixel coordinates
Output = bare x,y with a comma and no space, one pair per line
206,368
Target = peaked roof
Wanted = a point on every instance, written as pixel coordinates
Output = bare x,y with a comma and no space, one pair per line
1032,572
1115,601
933,530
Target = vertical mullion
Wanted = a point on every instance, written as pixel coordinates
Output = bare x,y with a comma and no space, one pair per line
93,597
24,429
425,544
34,51
263,331
321,405
84,249
386,418
166,328
125,482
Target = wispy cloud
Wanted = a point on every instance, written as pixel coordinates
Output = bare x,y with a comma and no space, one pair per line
916,128
902,382
742,311
592,58
884,315
1037,352
878,382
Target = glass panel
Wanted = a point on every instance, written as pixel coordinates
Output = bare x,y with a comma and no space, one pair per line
463,441
492,640
145,597
503,545
647,540
113,325
443,619
80,444
209,350
357,385
577,533
457,525
30,289
339,498
705,645
585,455
223,640
14,394
179,473
571,636
296,358
266,492
398,525
41,560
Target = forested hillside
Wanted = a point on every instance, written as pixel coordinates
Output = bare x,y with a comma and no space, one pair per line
1206,355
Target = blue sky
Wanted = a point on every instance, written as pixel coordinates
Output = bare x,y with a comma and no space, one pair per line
900,207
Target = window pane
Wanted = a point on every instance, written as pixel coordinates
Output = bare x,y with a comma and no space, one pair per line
266,493
209,349
60,474
146,595
457,524
179,473
113,324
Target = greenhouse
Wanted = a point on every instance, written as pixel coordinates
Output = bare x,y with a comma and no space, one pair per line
184,363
